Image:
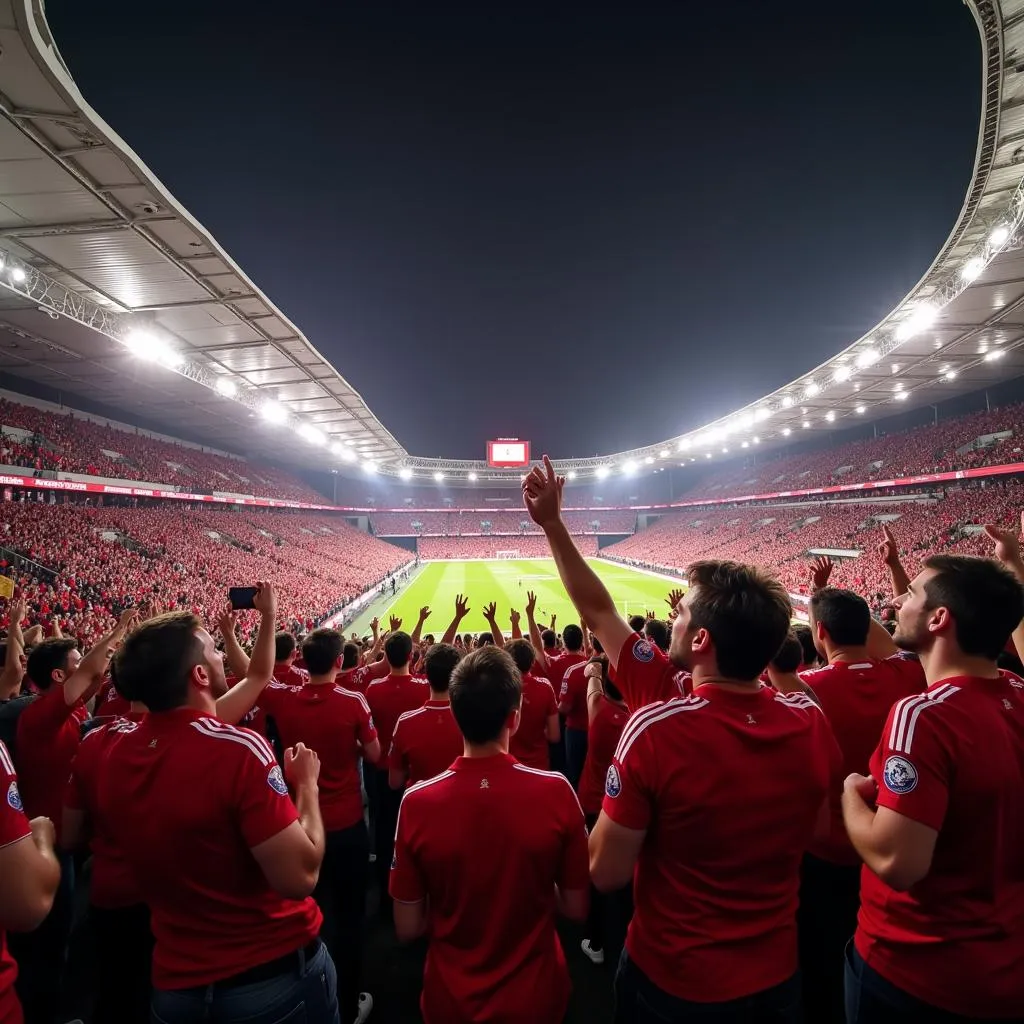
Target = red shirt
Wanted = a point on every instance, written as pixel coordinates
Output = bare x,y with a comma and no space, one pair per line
330,720
210,792
529,743
605,731
856,698
109,703
359,678
49,732
13,828
290,675
494,953
558,665
643,674
572,697
426,741
729,787
113,882
389,698
953,759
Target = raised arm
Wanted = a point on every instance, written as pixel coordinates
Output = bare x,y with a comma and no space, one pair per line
889,552
13,670
235,658
85,680
514,618
461,611
542,494
536,640
424,615
491,615
821,570
1008,552
238,701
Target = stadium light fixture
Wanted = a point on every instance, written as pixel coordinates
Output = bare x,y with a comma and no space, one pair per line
756,439
868,358
649,459
663,454
707,455
842,374
571,475
405,473
895,368
922,317
311,434
18,275
951,375
601,472
629,467
901,396
806,424
370,466
786,431
684,445
725,451
472,478
273,412
762,414
811,390
831,416
972,269
996,353
1000,234
861,409
747,421
746,444
145,345
439,476
787,402
226,387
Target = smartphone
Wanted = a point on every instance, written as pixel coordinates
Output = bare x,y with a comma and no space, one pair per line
242,597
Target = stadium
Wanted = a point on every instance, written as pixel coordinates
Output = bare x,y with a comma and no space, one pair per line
168,433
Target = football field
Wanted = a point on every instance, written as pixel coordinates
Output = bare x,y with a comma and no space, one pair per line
507,584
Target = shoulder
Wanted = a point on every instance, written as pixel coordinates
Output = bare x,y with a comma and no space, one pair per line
638,653
408,716
651,719
797,701
427,791
910,714
351,696
225,740
817,676
6,764
553,783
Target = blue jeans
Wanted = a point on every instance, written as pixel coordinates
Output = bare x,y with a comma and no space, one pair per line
639,1001
870,999
305,994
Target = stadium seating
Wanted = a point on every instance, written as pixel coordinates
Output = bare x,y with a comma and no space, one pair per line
462,523
487,547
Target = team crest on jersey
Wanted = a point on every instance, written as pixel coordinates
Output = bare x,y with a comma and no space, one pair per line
643,651
612,782
14,797
276,780
900,776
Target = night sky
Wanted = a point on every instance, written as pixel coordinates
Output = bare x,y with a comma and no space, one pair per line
591,226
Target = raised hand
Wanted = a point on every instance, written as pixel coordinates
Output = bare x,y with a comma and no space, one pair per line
491,611
888,549
554,619
674,597
821,570
396,623
514,617
424,614
650,615
461,606
265,599
375,626
1007,543
226,620
542,494
531,603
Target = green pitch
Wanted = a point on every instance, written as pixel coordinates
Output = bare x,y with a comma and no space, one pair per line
507,583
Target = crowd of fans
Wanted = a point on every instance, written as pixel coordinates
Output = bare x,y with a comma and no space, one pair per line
465,523
490,547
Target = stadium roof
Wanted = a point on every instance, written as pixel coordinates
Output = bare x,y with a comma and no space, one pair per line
110,289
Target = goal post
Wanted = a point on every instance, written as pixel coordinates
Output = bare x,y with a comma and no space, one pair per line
509,555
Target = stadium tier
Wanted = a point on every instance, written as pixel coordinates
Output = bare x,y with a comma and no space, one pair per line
469,522
534,546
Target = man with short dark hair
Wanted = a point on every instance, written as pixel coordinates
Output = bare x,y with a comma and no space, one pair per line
336,723
494,953
285,652
938,821
389,698
538,713
224,859
427,739
711,799
863,677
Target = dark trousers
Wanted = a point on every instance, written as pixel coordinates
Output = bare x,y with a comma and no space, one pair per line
610,914
388,802
124,962
870,999
306,992
341,896
42,954
639,1001
827,918
575,755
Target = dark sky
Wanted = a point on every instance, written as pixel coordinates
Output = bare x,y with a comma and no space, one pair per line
591,226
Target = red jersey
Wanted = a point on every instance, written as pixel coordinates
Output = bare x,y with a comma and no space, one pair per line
952,758
603,737
49,732
426,741
110,704
856,698
560,663
330,720
360,677
211,792
643,674
113,882
494,953
389,698
14,828
572,697
729,786
529,743
290,675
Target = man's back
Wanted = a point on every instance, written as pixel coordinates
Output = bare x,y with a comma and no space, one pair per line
426,741
486,843
187,798
953,760
391,697
330,720
856,698
529,743
730,787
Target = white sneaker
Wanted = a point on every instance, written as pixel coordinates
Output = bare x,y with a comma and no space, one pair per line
595,956
365,1007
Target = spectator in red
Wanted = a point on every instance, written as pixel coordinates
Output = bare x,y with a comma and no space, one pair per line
336,723
727,784
29,876
427,739
494,953
938,820
285,653
538,713
224,859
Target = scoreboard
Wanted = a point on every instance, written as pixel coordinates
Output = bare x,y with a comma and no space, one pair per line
508,453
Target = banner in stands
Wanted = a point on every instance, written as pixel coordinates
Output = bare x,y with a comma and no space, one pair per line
83,487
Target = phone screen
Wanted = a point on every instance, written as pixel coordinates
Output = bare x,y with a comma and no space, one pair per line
241,597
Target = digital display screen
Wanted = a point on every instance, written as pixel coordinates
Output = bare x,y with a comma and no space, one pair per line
508,453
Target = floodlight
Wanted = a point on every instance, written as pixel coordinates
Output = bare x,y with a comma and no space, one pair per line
405,473
842,374
868,358
311,434
273,412
991,357
806,424
1000,233
830,416
951,375
370,466
972,269
787,401
472,477
649,459
18,275
684,445
756,439
861,409
786,432
629,467
811,390
663,454
901,396
762,414
226,387
922,317
571,475
601,472
439,476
